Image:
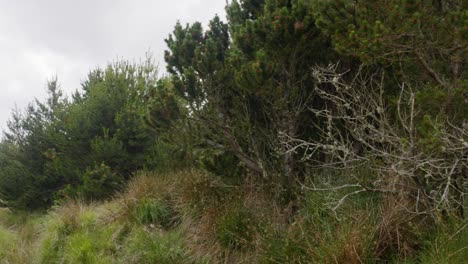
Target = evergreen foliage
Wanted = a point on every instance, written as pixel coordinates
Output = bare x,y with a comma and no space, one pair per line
248,129
83,147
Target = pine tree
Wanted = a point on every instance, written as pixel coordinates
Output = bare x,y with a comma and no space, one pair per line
249,81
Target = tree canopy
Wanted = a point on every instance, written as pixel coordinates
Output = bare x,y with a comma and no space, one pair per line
258,95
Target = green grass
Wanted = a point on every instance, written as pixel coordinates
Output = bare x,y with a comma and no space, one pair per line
190,217
449,244
8,240
154,211
236,228
154,246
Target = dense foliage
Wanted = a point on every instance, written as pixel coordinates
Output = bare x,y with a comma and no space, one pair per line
296,130
86,145
258,96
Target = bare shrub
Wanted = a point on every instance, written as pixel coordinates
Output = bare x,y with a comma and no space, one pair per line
417,157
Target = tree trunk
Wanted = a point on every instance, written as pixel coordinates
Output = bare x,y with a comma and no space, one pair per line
288,126
237,150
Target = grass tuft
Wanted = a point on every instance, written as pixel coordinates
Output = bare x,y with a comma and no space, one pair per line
192,217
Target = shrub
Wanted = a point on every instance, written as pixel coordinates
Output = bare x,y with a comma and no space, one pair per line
221,163
99,182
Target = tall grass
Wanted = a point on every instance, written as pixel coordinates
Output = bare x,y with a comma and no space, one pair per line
193,217
18,236
448,244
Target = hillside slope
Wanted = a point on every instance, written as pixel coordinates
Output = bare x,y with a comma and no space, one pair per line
191,217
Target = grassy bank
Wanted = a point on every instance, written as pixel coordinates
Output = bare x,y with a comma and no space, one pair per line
192,217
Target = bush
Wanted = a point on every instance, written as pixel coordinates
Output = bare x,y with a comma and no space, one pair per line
15,180
99,182
220,163
110,151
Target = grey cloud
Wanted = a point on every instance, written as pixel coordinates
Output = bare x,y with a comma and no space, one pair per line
67,38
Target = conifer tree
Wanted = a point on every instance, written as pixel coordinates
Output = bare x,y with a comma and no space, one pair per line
249,81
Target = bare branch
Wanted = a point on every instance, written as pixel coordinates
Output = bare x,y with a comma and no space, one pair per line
359,130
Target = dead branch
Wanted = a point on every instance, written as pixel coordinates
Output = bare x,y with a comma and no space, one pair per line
362,129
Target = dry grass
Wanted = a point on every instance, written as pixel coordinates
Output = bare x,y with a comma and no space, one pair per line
18,237
398,229
216,223
353,242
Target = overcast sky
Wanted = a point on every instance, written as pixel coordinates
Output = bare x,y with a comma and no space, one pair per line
43,38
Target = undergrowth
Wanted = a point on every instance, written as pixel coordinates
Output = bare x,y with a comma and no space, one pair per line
194,217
